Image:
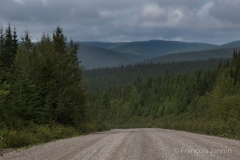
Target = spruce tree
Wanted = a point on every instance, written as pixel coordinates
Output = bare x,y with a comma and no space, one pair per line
8,48
47,83
8,51
1,51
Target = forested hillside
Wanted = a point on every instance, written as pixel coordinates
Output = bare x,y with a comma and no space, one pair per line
95,57
46,95
158,51
224,53
152,48
234,44
203,101
127,74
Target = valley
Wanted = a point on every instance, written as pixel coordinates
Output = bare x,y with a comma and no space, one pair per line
155,51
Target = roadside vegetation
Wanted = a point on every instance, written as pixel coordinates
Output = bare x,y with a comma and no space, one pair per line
45,95
203,101
42,93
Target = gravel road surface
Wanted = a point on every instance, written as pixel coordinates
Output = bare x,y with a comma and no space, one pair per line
133,144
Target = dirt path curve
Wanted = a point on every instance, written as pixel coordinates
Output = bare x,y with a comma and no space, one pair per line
133,144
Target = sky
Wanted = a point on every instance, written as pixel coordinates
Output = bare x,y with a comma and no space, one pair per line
207,21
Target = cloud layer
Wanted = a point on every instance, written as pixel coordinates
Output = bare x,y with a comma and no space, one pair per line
210,21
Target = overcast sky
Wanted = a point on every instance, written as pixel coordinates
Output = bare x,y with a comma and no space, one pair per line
210,21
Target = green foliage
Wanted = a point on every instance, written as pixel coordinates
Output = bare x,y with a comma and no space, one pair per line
124,75
204,101
47,82
42,85
4,92
43,97
8,51
35,134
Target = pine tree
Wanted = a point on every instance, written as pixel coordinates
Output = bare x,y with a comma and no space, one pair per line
8,50
1,51
47,83
14,42
4,92
24,102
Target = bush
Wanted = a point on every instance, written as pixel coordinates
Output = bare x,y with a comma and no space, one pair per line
44,133
34,135
20,138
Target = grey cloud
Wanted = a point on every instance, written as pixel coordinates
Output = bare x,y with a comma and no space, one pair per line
225,10
108,20
189,4
53,11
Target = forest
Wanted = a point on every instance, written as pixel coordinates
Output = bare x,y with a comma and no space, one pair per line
127,74
203,101
42,94
45,94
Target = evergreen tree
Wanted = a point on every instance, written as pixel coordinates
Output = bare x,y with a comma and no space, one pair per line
1,51
8,50
47,83
4,92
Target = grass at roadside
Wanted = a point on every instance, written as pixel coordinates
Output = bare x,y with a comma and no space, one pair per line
186,122
37,134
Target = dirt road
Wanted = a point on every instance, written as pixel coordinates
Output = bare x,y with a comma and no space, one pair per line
133,144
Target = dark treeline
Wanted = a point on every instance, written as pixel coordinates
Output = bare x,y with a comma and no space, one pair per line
42,93
204,101
127,74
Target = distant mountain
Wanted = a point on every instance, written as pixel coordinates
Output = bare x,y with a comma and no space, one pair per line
98,44
107,54
96,57
135,58
152,48
198,55
235,44
106,45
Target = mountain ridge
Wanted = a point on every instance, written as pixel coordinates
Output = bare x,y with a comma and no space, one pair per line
151,48
118,53
96,57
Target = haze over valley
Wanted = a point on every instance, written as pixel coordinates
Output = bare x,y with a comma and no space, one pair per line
100,54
